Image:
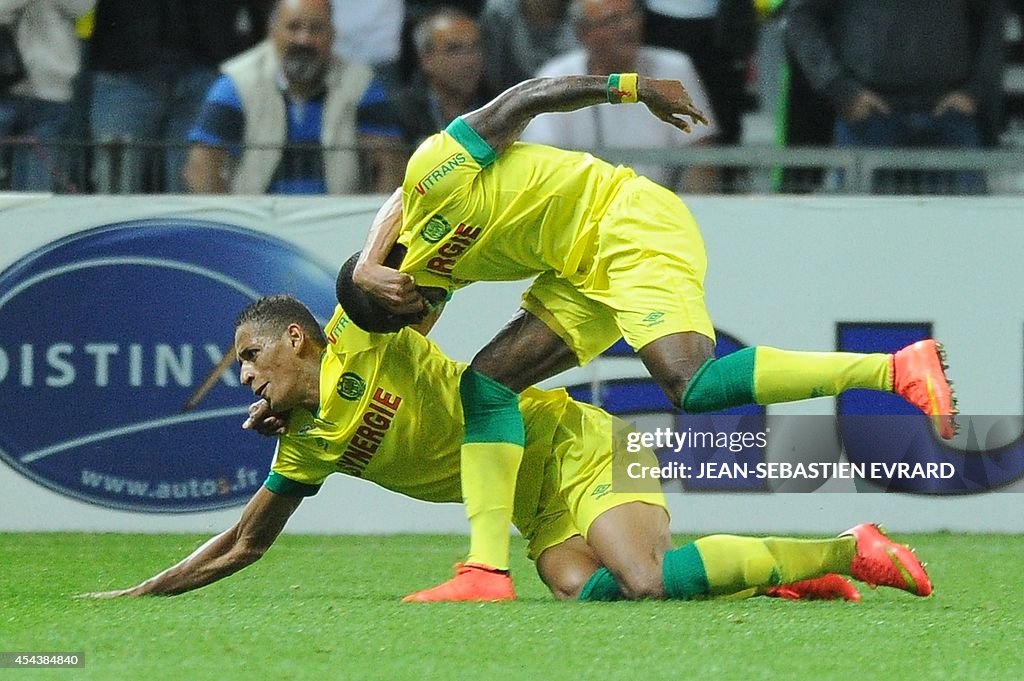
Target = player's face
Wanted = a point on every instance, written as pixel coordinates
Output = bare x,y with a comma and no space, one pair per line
270,366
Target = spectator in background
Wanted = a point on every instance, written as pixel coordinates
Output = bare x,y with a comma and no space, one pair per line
915,73
289,117
153,61
37,109
449,80
415,12
370,32
520,35
720,37
611,31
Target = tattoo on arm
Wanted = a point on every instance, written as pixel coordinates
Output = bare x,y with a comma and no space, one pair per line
501,121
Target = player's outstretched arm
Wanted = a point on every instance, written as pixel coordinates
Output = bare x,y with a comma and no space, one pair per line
501,121
395,290
243,544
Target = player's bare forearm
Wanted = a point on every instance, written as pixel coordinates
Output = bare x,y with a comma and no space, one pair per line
395,290
501,121
383,234
243,544
218,558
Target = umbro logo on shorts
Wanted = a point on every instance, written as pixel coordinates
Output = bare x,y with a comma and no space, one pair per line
653,318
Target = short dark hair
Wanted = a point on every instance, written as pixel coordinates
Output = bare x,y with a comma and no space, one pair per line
368,314
273,314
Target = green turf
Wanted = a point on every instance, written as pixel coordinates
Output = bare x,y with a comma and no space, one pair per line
327,608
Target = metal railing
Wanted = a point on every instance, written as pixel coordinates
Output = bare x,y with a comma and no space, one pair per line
153,167
845,171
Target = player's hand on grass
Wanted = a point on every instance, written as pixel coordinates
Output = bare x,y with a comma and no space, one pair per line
264,421
394,290
669,101
107,595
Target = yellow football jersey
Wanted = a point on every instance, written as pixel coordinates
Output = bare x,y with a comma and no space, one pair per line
469,215
390,412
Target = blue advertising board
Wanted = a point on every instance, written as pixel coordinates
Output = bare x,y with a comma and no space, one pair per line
105,335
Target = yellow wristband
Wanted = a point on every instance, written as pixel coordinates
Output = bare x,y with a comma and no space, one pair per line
622,88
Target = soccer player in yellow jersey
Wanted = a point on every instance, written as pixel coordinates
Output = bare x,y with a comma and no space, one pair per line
614,255
385,407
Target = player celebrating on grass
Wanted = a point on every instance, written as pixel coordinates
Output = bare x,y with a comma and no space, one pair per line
616,254
385,407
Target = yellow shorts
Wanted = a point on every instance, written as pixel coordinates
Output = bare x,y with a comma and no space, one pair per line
646,280
563,496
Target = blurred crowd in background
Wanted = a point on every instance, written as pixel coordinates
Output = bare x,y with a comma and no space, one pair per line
320,97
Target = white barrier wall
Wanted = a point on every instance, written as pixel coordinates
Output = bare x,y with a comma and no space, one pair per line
783,272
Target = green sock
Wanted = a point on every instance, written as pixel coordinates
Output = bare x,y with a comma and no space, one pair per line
721,383
682,571
601,587
684,574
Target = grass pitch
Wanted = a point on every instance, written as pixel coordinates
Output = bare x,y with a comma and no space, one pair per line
327,608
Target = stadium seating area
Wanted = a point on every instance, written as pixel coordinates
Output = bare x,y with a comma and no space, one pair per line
781,149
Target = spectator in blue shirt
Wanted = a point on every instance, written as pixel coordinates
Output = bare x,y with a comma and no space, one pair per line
289,117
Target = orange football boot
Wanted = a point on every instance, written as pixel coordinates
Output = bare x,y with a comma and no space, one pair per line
825,588
880,561
471,583
919,376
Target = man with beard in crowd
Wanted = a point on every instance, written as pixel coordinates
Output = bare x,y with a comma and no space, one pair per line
288,117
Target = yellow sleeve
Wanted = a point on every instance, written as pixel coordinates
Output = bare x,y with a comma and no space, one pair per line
297,470
442,170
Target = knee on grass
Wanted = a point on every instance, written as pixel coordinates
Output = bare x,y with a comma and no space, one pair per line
641,582
569,589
